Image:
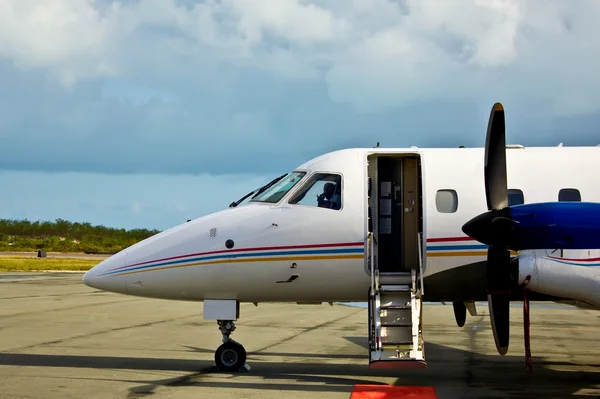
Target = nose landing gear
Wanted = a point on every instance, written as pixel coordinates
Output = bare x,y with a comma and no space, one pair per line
231,355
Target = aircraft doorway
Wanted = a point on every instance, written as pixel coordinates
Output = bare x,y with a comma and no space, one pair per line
396,209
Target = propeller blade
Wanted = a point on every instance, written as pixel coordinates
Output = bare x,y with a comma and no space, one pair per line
496,191
498,305
498,287
496,228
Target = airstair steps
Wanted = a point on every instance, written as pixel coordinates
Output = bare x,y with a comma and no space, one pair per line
395,323
402,278
394,288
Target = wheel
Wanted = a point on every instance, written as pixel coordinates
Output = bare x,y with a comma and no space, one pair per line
230,356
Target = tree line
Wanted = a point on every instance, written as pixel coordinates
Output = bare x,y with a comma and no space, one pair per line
65,236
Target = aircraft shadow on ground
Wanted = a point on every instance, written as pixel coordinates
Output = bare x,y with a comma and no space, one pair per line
453,372
253,355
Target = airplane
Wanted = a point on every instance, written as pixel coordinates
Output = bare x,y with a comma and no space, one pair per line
391,226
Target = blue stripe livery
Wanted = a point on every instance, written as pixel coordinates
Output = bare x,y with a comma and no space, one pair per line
241,255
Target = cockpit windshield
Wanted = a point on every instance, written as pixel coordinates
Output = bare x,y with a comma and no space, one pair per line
274,193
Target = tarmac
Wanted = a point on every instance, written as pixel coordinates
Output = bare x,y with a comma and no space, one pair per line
62,339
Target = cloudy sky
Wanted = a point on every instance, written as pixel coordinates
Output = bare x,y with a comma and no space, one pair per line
142,113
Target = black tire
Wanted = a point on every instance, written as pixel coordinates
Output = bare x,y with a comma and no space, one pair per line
230,356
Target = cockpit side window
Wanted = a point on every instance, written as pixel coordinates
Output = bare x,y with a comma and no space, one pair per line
323,190
277,191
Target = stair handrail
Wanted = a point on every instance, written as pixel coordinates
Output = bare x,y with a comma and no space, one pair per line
372,293
371,260
419,240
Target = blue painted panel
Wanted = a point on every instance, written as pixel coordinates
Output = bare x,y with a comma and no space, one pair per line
566,225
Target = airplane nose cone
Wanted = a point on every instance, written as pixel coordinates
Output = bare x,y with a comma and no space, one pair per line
90,277
100,276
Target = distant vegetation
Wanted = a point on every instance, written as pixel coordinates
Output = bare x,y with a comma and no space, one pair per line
64,236
15,264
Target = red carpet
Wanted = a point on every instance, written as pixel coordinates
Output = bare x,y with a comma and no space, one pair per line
392,392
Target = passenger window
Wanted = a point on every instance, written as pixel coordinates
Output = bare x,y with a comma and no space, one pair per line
322,190
446,201
569,194
515,197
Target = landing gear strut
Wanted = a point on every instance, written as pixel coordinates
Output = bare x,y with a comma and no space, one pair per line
230,356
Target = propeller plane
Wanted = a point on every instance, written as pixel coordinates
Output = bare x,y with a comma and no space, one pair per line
391,226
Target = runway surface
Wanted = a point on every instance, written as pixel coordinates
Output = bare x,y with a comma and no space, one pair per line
63,339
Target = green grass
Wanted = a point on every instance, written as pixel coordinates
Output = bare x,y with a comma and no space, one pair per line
22,264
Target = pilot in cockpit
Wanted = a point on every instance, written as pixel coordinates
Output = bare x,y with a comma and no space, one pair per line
329,198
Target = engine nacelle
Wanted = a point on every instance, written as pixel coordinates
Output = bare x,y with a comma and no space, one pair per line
573,279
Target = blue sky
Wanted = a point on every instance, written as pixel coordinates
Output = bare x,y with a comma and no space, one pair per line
144,113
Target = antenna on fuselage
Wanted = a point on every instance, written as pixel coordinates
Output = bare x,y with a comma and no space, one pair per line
377,146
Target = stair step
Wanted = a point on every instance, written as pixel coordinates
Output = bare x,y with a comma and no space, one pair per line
395,307
394,354
400,299
395,278
395,274
404,313
396,324
396,343
395,334
395,288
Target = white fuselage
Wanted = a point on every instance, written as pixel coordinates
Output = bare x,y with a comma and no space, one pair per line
326,248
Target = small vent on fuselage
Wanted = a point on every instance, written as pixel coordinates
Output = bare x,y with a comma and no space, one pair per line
213,232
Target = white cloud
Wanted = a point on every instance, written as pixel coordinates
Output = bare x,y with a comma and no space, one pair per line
68,37
186,86
374,53
260,86
301,23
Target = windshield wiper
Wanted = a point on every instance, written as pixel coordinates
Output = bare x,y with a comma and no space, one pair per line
266,186
236,203
257,191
